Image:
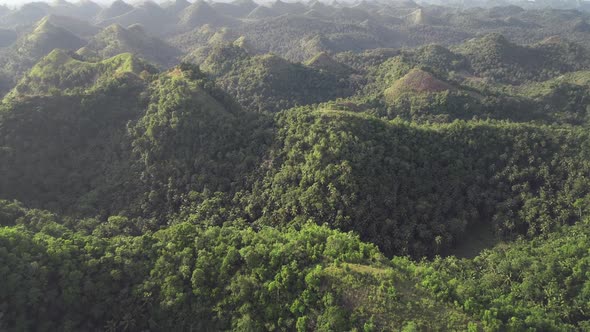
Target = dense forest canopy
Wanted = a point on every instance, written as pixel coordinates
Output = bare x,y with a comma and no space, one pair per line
295,166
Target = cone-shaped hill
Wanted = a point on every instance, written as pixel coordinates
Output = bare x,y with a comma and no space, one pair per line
88,9
103,131
176,6
495,57
25,15
416,81
269,83
47,37
323,61
150,15
117,8
80,28
239,8
115,39
201,13
262,12
282,7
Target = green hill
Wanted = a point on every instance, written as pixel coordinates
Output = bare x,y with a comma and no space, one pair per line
495,57
307,278
268,83
115,39
237,8
84,110
415,189
262,12
78,27
201,13
176,6
82,10
416,82
117,8
323,61
61,71
149,15
27,14
87,9
46,37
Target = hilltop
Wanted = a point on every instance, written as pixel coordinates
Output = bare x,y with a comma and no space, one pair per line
417,81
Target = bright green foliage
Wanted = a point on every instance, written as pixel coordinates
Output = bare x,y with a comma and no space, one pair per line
537,285
219,278
60,72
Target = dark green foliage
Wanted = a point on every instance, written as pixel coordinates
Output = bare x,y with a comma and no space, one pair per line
269,83
193,137
495,57
68,158
414,189
149,141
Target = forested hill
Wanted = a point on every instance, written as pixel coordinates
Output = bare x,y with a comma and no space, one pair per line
369,166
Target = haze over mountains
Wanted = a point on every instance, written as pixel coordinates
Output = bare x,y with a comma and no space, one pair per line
295,166
166,33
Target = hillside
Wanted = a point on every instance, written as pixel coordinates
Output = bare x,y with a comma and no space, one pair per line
350,156
7,37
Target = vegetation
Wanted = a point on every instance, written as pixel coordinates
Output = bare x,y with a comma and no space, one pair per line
269,83
306,167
